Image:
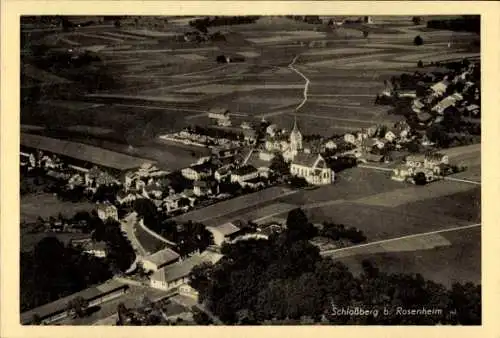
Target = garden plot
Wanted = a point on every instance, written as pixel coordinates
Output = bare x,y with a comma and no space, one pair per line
46,205
443,55
375,64
272,102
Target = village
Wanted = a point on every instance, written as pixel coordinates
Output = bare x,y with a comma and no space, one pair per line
145,228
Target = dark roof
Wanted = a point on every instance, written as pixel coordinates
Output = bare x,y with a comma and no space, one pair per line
256,180
163,257
102,157
257,162
59,305
244,170
203,167
304,159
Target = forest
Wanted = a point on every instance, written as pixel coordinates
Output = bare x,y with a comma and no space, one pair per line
284,280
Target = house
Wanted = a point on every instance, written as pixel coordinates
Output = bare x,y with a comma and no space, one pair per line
439,89
250,136
106,211
222,173
176,275
271,130
244,173
260,160
159,259
330,145
225,232
97,249
350,138
254,183
312,168
199,171
448,101
432,161
218,114
175,202
390,136
203,188
153,190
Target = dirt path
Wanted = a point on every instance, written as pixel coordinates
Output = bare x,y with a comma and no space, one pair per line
306,85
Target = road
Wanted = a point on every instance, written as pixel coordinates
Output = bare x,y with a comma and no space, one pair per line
127,225
306,85
355,248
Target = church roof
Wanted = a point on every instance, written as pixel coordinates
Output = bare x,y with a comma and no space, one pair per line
306,160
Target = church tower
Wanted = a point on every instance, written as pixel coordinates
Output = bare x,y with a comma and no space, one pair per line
295,138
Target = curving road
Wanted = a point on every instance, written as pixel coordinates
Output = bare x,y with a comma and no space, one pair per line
306,85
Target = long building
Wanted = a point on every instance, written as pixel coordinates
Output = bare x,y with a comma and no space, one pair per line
57,310
81,155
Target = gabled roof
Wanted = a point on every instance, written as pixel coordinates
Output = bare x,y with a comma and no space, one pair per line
163,257
227,229
307,160
183,268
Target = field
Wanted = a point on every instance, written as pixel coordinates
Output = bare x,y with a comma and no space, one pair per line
46,205
158,82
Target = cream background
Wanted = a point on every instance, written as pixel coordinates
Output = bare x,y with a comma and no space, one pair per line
9,170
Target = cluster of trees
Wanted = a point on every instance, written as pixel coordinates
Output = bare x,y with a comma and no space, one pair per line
339,232
285,280
203,24
52,271
466,23
189,237
312,19
340,163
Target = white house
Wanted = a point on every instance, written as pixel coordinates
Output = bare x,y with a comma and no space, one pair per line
390,136
312,168
350,138
223,232
176,275
244,173
198,171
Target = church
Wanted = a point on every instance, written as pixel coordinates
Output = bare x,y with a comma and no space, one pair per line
312,167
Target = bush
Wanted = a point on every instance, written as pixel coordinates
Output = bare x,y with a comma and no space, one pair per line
418,41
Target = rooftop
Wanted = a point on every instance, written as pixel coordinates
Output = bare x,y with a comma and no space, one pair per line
60,304
228,229
183,268
99,156
304,159
163,257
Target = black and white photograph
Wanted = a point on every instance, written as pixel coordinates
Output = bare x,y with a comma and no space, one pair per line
250,170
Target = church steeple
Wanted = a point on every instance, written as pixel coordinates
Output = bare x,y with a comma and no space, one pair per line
295,137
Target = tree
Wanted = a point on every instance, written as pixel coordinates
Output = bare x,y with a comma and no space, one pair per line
365,34
418,41
420,64
420,178
279,165
416,20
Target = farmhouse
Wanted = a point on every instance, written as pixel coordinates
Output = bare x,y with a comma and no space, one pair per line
159,259
203,188
176,275
312,168
55,311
